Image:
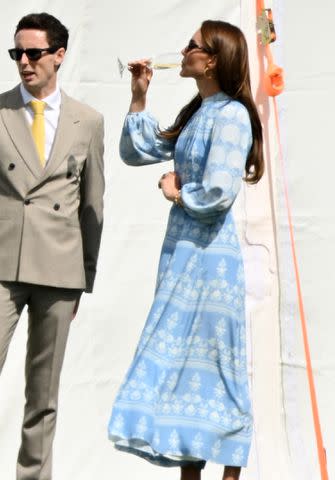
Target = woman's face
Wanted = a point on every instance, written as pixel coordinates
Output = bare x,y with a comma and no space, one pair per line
195,58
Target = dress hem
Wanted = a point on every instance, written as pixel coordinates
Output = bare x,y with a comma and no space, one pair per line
139,446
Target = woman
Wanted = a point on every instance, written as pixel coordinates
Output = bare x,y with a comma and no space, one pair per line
185,398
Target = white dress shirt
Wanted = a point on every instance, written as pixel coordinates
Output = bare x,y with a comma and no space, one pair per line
51,115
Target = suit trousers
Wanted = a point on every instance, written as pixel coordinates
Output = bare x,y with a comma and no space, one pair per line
50,311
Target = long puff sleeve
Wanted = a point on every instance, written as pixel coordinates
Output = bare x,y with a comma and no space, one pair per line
230,143
140,144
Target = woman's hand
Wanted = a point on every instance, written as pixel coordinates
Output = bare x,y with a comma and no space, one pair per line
141,75
170,185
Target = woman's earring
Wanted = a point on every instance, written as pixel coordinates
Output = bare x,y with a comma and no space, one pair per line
208,73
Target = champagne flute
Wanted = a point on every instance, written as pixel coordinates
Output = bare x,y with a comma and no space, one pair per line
161,61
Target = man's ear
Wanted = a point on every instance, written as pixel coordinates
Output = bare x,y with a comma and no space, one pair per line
59,57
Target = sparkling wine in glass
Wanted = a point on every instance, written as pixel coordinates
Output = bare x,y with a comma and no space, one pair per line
162,61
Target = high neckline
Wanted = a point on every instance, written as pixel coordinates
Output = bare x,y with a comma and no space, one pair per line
219,96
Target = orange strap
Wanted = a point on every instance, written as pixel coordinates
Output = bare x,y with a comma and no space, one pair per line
274,85
274,76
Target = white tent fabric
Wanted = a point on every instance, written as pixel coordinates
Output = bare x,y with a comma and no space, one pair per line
104,335
306,111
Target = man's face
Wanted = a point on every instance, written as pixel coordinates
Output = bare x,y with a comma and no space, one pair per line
39,77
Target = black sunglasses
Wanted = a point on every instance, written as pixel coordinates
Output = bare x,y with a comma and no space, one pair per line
33,54
192,45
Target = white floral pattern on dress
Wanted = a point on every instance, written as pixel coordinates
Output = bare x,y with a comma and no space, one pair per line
216,448
197,444
238,455
174,441
119,423
141,426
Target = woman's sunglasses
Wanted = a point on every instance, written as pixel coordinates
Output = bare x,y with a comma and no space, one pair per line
33,54
192,45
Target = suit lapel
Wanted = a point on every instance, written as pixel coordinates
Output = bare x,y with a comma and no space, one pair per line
65,133
15,120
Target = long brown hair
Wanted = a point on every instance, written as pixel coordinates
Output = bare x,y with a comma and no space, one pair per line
228,43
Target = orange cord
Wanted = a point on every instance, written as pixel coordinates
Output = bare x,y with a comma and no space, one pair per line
315,410
276,85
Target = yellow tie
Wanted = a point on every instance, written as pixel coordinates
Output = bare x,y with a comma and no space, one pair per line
38,128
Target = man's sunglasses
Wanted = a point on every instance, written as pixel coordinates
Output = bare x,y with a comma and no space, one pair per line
192,45
33,54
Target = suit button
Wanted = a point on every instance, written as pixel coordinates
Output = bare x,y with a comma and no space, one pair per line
11,166
56,206
27,201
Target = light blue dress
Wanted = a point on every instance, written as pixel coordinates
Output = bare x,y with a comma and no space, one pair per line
185,397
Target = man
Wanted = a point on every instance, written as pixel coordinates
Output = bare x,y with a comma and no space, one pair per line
51,189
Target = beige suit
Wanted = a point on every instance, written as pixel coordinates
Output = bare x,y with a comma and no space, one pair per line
43,239
50,229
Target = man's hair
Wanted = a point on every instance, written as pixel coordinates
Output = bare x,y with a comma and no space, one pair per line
57,34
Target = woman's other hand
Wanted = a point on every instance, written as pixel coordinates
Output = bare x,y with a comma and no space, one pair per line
170,185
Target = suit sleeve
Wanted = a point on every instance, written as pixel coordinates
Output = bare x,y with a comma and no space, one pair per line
91,205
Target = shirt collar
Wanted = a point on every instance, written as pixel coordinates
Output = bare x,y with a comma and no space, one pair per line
53,100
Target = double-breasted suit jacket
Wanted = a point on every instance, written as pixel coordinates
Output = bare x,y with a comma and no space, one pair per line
51,217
